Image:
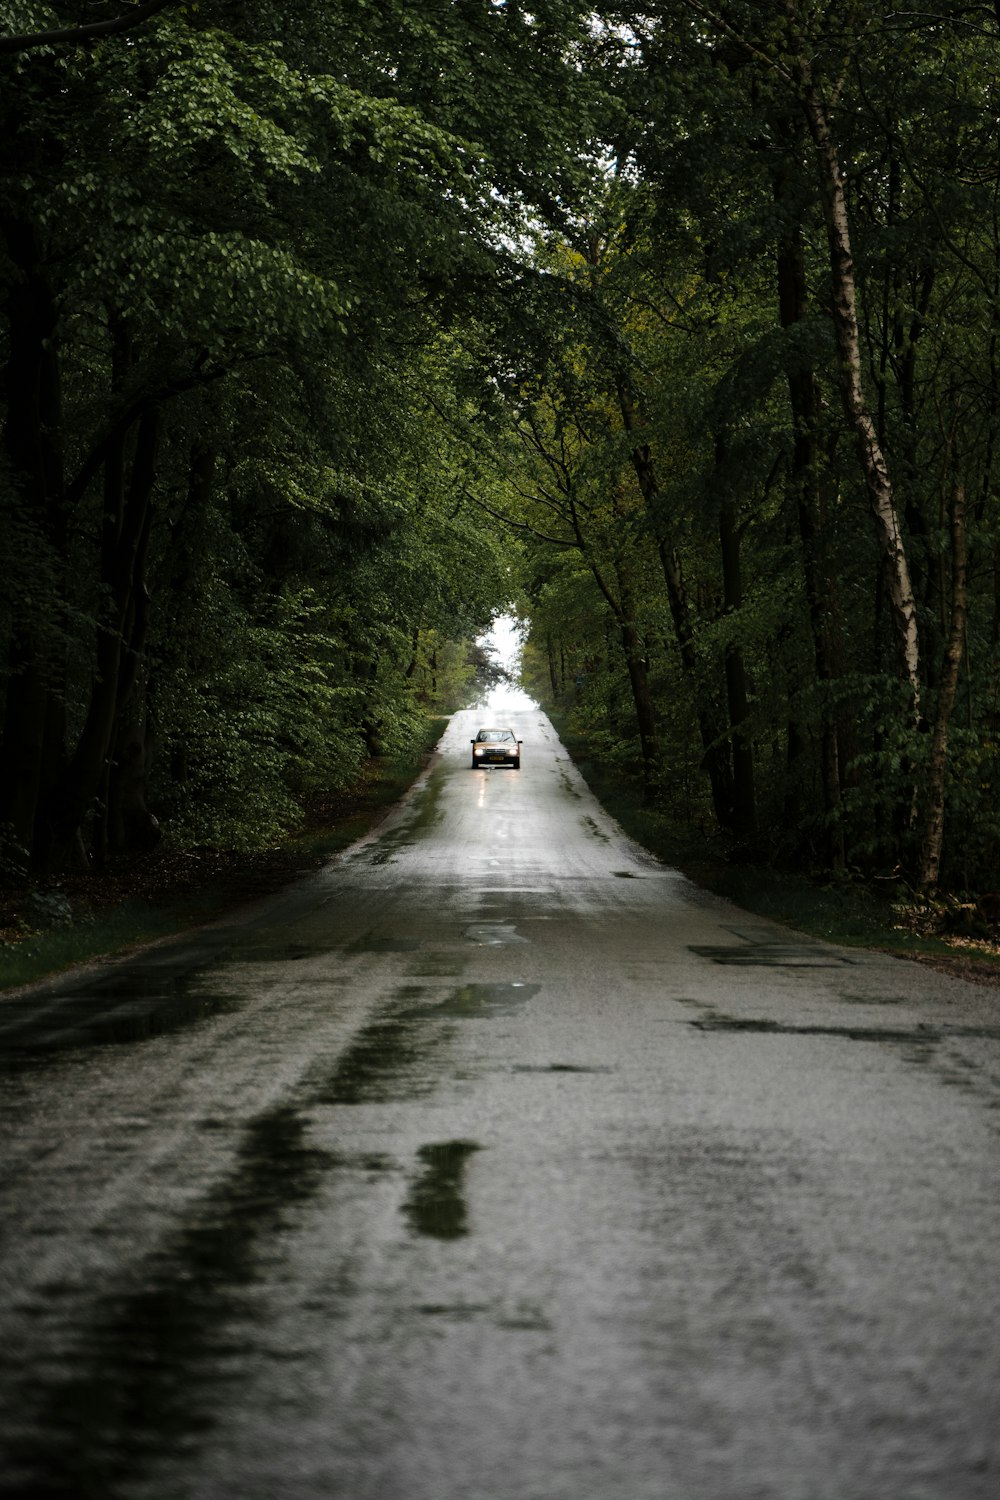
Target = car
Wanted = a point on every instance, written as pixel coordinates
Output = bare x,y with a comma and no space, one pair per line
496,747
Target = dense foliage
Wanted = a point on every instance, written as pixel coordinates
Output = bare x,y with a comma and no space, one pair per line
765,440
246,257
326,331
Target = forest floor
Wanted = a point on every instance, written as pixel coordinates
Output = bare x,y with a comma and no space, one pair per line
854,914
204,879
63,921
883,915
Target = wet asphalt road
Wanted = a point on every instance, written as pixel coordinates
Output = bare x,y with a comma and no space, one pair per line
499,1163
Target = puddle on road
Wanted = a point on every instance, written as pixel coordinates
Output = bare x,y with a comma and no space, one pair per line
387,1060
456,1312
424,812
392,1057
437,966
920,1034
482,1000
135,1388
373,943
594,831
388,847
525,1317
130,1007
771,955
520,1317
436,1204
873,999
280,953
569,787
561,1068
494,934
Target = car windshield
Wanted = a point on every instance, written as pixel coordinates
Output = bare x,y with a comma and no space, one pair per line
495,736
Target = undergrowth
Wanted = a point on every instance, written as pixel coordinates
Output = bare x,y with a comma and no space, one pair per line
59,924
850,910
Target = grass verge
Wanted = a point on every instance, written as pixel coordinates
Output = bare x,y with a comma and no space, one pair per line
102,915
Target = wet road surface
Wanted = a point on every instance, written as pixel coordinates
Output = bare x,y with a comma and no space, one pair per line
498,1162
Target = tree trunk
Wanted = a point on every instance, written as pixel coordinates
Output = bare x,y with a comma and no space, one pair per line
931,864
24,744
845,320
128,497
132,827
899,336
553,674
32,748
642,697
804,400
716,758
737,692
414,654
623,612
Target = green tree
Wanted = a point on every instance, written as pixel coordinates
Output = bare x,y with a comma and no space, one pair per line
228,240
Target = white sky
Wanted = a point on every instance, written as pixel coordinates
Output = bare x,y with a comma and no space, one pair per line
504,639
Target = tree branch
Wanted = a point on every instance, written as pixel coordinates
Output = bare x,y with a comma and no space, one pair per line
497,515
89,31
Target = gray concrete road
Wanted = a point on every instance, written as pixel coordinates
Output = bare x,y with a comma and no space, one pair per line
499,1163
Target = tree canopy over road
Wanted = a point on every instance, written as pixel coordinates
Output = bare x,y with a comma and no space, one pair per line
329,331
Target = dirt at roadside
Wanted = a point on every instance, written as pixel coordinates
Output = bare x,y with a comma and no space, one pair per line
206,881
212,879
972,970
